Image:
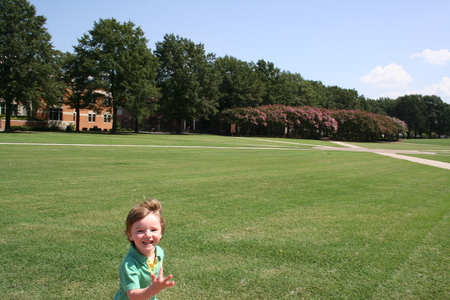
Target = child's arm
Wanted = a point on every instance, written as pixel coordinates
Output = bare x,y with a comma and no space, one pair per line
158,284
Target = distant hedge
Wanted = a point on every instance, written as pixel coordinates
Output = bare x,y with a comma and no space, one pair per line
33,128
313,123
25,118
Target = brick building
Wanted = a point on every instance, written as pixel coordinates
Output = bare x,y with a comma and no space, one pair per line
61,116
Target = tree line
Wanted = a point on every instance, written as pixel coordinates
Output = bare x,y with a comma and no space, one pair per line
112,67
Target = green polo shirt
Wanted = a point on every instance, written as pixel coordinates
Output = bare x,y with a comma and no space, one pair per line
134,272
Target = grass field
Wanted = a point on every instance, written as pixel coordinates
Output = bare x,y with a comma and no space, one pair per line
247,218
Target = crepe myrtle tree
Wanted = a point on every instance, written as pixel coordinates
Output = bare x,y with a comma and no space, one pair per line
30,71
120,66
314,123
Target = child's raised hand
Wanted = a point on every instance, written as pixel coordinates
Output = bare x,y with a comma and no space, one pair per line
160,282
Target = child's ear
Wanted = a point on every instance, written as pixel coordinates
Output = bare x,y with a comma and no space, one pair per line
130,238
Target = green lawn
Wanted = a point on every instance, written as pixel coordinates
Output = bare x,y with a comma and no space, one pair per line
247,218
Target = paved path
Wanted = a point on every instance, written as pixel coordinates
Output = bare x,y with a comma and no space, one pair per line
347,147
392,153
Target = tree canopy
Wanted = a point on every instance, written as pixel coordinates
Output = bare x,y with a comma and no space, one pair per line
187,80
29,66
121,66
281,87
239,85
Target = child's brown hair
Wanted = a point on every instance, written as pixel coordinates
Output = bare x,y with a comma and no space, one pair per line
150,206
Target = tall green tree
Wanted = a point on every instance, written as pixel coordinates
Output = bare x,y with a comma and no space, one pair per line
434,109
388,105
314,94
270,77
142,108
29,66
412,110
240,85
289,88
340,98
188,82
445,121
79,94
121,66
383,105
280,87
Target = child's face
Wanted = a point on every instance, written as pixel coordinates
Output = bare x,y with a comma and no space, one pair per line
146,234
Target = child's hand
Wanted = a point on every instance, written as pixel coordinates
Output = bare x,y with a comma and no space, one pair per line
160,282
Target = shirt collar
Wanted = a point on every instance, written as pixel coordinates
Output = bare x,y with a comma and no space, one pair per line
138,256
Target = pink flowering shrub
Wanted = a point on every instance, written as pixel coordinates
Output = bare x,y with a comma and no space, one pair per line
313,123
402,127
275,119
304,122
362,126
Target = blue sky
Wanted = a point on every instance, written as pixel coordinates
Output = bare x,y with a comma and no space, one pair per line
379,48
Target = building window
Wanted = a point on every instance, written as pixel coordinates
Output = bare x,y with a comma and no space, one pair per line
24,110
107,118
74,116
91,118
14,109
56,114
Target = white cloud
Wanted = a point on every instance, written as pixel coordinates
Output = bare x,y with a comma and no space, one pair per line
390,76
442,89
440,57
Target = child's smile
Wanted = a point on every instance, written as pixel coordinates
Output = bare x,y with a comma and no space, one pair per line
146,234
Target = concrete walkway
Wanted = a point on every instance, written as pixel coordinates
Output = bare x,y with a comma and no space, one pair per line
346,147
392,153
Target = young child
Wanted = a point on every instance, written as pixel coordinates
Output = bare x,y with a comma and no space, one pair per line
141,272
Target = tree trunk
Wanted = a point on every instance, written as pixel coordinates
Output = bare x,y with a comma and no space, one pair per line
179,122
136,126
114,124
77,119
8,116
